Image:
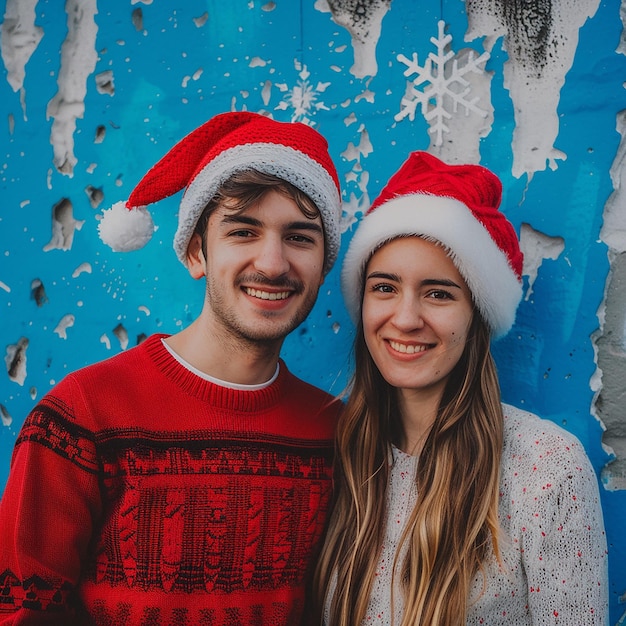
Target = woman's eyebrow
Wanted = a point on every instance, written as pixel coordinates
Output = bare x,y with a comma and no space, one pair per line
435,282
384,275
445,282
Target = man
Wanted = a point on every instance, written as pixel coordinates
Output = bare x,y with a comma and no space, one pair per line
187,480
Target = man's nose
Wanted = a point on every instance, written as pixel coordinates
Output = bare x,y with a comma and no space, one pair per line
271,258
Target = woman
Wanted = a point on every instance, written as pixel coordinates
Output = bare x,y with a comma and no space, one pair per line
451,508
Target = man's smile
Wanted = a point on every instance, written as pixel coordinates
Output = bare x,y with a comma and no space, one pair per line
267,295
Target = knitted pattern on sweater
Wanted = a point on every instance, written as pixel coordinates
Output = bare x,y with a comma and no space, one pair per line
552,540
140,493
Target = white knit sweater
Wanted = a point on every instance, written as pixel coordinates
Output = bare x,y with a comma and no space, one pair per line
552,540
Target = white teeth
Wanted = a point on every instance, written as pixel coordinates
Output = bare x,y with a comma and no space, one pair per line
267,295
402,347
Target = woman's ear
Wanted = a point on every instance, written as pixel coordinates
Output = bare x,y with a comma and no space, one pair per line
196,263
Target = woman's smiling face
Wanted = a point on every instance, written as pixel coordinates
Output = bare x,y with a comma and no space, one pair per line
417,310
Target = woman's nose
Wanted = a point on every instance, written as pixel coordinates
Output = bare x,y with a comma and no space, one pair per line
408,314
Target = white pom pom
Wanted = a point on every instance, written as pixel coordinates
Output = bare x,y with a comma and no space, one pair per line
125,230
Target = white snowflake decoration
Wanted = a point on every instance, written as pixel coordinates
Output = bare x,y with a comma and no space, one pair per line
303,97
444,78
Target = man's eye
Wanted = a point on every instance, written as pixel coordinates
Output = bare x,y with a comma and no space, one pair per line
301,239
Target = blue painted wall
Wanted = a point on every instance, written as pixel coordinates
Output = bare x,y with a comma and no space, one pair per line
181,66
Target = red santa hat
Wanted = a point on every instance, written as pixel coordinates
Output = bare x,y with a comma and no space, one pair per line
457,206
207,157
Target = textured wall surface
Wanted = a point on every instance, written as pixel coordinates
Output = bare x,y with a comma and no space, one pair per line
92,95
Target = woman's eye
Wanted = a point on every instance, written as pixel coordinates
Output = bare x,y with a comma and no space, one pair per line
440,294
383,288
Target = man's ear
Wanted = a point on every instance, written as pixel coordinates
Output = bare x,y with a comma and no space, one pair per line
196,263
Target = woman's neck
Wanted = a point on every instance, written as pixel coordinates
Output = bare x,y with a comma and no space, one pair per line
418,410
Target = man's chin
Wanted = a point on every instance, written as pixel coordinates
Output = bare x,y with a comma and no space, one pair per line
266,335
271,329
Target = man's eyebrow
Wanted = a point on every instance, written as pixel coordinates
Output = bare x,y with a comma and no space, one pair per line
252,221
241,219
302,225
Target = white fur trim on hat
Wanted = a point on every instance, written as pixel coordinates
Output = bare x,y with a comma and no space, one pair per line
282,161
484,266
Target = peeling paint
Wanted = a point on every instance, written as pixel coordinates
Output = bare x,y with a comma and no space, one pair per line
19,38
195,76
38,292
105,82
537,247
366,95
7,420
354,153
67,321
363,20
357,175
266,92
540,37
613,231
621,48
201,20
95,195
610,339
78,61
15,360
100,134
82,268
137,18
106,341
122,336
63,226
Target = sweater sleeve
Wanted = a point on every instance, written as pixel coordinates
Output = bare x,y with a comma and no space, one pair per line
47,512
564,544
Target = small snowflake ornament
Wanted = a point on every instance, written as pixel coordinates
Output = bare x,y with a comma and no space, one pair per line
443,85
302,98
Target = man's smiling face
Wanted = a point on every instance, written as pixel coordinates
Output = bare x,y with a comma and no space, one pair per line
263,268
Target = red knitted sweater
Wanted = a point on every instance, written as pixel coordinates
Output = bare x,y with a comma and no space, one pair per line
140,493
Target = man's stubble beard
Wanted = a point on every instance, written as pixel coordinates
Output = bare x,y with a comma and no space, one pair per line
255,334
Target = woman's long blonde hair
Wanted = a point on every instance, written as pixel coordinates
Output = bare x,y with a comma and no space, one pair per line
455,519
